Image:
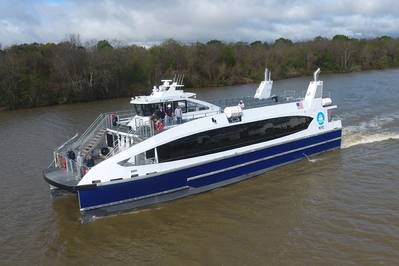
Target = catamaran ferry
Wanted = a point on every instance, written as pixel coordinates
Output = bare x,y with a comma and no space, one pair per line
172,145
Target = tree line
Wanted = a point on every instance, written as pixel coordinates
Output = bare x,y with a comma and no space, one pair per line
46,74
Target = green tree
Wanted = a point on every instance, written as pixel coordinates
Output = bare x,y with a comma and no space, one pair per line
104,44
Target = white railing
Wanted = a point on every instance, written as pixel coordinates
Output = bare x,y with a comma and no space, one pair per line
67,142
102,122
117,143
143,128
291,93
72,166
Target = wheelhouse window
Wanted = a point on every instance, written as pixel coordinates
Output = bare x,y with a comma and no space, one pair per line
236,136
145,109
193,107
182,104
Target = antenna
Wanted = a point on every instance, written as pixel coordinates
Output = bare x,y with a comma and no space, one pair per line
180,78
316,74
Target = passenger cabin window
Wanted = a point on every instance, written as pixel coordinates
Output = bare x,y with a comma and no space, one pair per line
150,154
232,137
145,109
193,107
144,158
182,104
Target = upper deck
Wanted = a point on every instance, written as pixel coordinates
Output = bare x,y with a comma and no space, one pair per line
114,132
169,90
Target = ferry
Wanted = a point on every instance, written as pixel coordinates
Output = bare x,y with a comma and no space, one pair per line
171,145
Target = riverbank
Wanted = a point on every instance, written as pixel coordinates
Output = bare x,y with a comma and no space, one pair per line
34,75
198,89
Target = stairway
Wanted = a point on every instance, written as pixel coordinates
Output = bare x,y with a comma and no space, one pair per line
92,142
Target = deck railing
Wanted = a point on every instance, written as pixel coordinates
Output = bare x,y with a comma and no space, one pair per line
75,168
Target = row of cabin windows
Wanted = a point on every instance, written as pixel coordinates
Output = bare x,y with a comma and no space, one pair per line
186,106
223,139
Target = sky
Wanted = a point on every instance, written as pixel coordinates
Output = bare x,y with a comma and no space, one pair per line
151,22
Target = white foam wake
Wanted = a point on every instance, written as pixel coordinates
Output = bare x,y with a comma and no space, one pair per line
372,129
359,139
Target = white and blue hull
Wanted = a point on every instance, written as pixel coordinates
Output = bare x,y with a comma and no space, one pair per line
161,187
210,149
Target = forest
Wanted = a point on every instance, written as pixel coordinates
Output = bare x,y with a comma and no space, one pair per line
37,74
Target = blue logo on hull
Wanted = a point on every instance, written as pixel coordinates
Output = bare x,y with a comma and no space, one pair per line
320,118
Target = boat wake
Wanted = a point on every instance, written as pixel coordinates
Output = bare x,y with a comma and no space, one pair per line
376,129
314,160
359,139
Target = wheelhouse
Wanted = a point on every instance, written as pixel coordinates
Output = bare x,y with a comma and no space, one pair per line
186,105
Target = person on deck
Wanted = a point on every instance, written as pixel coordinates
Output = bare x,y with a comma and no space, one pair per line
241,104
89,161
162,114
169,115
157,114
178,114
158,126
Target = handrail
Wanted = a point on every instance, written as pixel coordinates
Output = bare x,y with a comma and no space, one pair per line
70,165
51,164
100,120
116,144
89,129
69,140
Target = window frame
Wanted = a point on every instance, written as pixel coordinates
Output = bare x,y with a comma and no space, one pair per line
232,137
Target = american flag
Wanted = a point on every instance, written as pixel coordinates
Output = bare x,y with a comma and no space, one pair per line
299,105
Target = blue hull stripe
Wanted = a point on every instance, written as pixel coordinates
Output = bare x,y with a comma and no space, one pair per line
106,194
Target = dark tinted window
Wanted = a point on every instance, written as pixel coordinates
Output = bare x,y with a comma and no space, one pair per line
232,137
182,104
145,109
193,107
150,154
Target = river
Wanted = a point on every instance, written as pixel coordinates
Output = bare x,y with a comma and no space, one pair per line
339,208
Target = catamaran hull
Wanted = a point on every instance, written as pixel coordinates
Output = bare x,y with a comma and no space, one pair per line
104,199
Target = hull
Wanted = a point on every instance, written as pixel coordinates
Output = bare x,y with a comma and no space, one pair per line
107,198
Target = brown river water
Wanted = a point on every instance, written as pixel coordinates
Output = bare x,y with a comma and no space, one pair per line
338,208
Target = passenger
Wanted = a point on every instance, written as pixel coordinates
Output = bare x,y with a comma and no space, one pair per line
178,115
158,126
157,114
71,155
71,158
114,120
169,115
79,161
89,161
162,114
241,104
